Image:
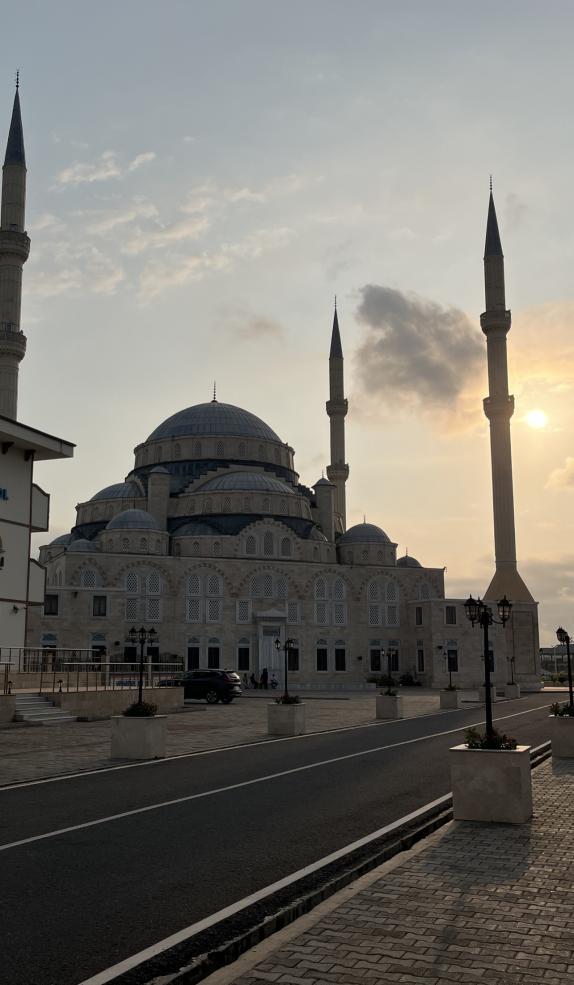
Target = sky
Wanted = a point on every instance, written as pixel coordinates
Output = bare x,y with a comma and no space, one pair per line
203,179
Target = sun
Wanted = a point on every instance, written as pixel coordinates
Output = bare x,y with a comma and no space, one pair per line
536,419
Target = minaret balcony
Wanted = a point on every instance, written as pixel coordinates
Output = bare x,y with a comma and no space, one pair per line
495,320
12,241
498,407
337,408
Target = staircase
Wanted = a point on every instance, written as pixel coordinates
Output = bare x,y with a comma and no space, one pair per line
37,709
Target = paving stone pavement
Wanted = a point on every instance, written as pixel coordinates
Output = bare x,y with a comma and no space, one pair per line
31,753
482,904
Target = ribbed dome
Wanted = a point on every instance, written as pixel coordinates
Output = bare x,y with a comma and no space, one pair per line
214,418
408,562
195,528
63,540
247,480
133,520
83,546
120,490
364,533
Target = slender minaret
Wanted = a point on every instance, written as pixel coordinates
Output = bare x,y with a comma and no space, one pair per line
14,250
337,406
499,408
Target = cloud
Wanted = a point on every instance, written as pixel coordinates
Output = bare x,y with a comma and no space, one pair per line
50,285
185,229
121,217
46,222
260,241
241,322
562,478
104,168
417,354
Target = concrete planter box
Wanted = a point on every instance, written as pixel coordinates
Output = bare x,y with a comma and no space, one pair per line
562,736
7,708
286,719
138,738
482,694
512,690
491,784
389,706
450,699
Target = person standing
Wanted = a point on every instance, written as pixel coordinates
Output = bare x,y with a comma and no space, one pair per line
265,679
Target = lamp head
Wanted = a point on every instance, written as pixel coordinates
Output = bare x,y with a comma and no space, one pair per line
277,644
142,634
504,609
472,607
133,634
561,635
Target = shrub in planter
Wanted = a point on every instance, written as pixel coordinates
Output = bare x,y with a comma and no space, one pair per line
145,710
407,680
476,740
562,711
288,699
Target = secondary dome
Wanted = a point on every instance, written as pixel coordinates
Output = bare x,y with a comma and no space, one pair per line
195,528
133,520
408,562
120,490
364,533
247,480
62,541
83,546
214,418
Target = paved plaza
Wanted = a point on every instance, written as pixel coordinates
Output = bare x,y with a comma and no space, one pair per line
475,903
31,753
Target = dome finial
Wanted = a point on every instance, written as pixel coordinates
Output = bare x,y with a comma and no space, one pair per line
491,184
364,517
214,401
17,79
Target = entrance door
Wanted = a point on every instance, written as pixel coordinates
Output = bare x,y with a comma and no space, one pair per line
268,655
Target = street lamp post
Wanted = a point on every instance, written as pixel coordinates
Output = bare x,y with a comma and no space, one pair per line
478,612
564,638
390,654
142,636
286,646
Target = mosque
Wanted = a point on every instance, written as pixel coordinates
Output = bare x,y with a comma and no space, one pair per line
213,540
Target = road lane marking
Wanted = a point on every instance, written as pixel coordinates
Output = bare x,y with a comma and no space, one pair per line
246,745
244,783
127,964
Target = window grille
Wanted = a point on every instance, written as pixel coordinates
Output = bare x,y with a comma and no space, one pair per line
131,582
143,544
374,615
321,613
193,610
125,543
281,588
425,591
193,585
268,544
339,614
293,612
88,578
131,609
153,607
214,610
267,586
214,585
282,505
392,615
197,449
320,588
195,547
243,610
207,505
256,586
250,545
338,589
217,548
227,504
154,583
286,547
219,450
391,592
373,592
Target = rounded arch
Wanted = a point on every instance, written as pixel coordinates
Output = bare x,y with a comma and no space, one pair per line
141,567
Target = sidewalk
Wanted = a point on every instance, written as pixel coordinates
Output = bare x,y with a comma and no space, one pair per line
28,753
488,904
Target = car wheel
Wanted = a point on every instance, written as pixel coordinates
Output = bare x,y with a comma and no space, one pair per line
227,700
212,697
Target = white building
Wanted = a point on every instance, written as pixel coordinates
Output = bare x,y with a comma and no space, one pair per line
23,505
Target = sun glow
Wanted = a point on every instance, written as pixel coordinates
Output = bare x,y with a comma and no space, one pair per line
536,419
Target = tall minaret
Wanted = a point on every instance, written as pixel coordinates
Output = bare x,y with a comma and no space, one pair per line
499,408
14,250
337,471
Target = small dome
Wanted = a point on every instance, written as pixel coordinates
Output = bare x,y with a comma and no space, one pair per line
323,482
195,528
160,469
133,520
120,490
62,541
408,562
214,418
364,533
253,481
83,546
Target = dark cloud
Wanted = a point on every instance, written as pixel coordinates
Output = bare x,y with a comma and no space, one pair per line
416,352
240,321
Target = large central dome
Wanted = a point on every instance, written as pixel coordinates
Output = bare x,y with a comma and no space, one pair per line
214,418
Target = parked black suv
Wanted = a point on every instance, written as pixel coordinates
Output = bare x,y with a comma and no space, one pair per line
213,685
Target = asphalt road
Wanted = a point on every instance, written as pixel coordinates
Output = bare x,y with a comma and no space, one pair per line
74,902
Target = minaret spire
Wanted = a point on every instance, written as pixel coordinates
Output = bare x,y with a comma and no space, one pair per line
499,408
14,250
337,406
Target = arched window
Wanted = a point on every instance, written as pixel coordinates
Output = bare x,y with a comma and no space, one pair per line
322,656
177,450
125,543
391,592
250,545
154,583
158,545
88,578
177,549
213,653
242,449
256,586
266,504
193,602
286,547
282,505
243,654
227,504
375,610
195,547
143,544
320,588
247,504
339,590
268,544
219,449
214,585
373,592
207,505
217,548
197,449
267,586
193,585
143,600
339,606
365,554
